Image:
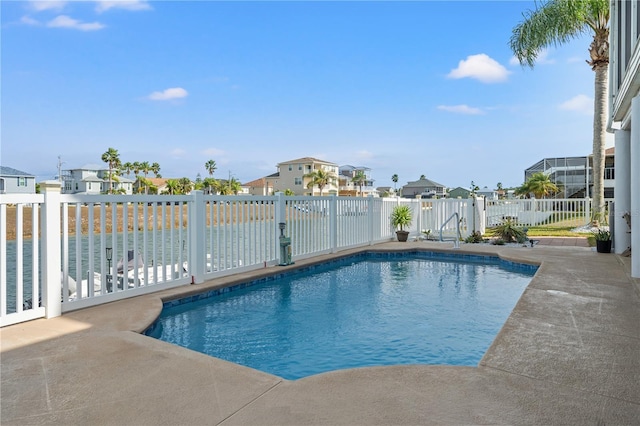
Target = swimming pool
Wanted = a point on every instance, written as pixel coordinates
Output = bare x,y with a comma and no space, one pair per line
367,310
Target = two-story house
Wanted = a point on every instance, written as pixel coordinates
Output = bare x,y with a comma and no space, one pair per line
294,175
94,179
574,175
423,188
14,181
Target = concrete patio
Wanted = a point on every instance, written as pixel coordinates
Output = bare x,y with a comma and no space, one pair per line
568,354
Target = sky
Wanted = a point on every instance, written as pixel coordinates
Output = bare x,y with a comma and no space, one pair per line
408,88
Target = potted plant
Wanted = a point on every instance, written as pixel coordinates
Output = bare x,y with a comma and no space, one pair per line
401,216
603,240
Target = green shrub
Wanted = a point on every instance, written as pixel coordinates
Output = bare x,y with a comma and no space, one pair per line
509,232
474,238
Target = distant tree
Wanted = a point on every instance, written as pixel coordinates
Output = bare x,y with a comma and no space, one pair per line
234,186
126,168
539,185
210,166
198,178
185,185
423,177
289,192
155,168
359,178
209,183
172,187
556,22
112,158
320,178
145,168
136,168
474,188
499,186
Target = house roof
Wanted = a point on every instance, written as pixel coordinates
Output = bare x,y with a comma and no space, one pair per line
256,182
273,175
93,179
8,171
423,183
307,160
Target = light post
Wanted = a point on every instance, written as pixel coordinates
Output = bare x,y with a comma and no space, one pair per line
109,252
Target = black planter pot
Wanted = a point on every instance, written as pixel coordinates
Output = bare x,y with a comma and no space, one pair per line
603,246
402,236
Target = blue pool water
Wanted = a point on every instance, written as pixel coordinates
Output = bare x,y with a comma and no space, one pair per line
366,310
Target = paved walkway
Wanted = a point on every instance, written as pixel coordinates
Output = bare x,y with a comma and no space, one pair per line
562,241
568,354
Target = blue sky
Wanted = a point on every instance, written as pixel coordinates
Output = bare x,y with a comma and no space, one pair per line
401,87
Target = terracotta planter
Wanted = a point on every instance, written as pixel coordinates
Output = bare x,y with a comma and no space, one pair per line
402,236
603,246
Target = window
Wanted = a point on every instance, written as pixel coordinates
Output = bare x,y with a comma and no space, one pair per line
297,181
290,167
22,181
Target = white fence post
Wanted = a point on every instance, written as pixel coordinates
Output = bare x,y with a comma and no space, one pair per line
50,266
370,212
333,223
197,227
281,217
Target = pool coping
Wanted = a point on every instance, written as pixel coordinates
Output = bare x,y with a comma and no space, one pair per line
567,354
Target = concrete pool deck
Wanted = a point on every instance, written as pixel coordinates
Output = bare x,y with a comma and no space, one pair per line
568,354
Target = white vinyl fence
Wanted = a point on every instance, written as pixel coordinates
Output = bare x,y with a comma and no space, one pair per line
63,252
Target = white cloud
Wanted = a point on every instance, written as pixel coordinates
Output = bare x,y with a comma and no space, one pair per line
213,152
482,68
364,155
39,6
134,5
581,103
28,20
64,21
178,153
461,109
168,94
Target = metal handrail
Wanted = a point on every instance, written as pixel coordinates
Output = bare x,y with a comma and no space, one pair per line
456,241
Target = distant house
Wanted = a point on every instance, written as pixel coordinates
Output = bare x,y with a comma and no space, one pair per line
423,188
386,191
14,181
92,179
347,187
159,185
488,194
574,175
258,187
291,175
459,192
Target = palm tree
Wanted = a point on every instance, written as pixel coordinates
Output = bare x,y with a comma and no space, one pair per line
539,185
557,22
112,158
234,186
145,168
211,167
394,178
359,178
155,169
209,183
127,167
185,185
320,178
172,187
423,177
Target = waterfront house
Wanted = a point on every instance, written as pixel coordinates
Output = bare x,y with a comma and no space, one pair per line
292,175
93,179
423,188
348,188
459,192
574,175
13,181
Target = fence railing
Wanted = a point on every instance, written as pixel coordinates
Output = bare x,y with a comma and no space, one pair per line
64,252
